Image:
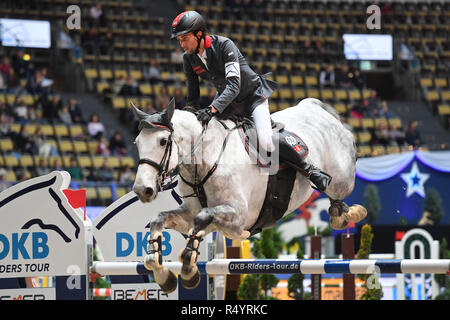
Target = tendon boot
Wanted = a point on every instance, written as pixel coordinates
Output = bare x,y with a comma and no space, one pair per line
288,154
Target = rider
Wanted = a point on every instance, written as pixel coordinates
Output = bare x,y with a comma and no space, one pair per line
218,60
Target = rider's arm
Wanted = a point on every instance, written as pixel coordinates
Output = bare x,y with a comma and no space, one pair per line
230,55
193,87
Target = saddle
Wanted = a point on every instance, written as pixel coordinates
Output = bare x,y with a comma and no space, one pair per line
281,183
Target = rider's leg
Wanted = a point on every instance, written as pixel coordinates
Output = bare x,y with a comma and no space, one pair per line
261,117
291,156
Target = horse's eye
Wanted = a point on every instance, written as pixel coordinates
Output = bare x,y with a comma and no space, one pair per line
163,141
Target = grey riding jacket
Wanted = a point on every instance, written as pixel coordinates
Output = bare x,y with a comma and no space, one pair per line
238,88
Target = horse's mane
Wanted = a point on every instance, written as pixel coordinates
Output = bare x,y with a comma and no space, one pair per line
326,107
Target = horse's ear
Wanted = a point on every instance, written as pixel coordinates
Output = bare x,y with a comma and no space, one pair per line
169,111
138,113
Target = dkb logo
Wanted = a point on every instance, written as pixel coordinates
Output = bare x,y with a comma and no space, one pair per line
125,244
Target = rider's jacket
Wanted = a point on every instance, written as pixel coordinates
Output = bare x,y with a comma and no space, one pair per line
238,88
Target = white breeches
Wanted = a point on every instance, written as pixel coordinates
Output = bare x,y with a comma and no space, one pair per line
261,117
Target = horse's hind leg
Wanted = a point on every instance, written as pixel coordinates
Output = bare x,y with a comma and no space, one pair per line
174,219
222,217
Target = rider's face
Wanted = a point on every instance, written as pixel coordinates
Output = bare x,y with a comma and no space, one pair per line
188,42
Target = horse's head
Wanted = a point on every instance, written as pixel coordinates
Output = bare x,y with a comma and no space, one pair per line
158,154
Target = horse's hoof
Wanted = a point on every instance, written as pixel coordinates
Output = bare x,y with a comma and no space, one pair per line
356,213
170,284
152,261
339,223
244,235
193,282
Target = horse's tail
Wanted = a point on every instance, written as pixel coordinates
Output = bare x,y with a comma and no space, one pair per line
326,107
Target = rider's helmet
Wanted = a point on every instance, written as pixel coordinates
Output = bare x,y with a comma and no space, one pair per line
188,21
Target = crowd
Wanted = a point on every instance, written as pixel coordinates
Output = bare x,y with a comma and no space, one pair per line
18,79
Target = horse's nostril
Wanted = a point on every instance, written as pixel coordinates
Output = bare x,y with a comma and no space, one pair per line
149,191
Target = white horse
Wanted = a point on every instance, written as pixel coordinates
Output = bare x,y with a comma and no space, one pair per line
235,191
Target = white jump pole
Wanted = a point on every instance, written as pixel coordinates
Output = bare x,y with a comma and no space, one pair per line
278,266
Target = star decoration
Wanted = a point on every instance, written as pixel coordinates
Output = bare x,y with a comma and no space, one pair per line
415,180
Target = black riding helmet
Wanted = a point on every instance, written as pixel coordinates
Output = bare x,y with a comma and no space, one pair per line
189,21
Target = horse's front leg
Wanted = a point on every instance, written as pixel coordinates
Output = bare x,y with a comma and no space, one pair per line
224,217
178,219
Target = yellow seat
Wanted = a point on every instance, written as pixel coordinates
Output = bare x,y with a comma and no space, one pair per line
91,193
313,93
30,128
97,161
364,137
285,93
91,73
66,161
53,159
61,130
105,193
114,162
26,160
283,105
354,122
299,94
311,81
297,80
327,94
395,121
92,146
440,82
76,131
65,146
102,86
10,176
340,94
426,82
120,192
432,95
85,161
378,121
146,89
378,150
15,127
120,73
364,151
28,99
444,110
80,147
283,79
11,161
446,95
6,144
367,123
118,103
106,74
354,95
136,74
392,149
127,161
340,107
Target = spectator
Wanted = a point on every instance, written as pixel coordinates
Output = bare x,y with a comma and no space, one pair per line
64,115
44,149
107,44
126,175
384,110
21,111
4,184
180,100
42,168
130,88
57,166
119,83
3,85
116,145
75,170
13,82
326,77
21,65
373,102
396,135
357,110
413,137
149,107
75,112
97,16
152,73
5,125
103,147
24,142
51,108
4,69
162,99
95,127
176,57
358,79
382,134
342,78
105,173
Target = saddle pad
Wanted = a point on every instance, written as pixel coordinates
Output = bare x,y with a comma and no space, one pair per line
249,138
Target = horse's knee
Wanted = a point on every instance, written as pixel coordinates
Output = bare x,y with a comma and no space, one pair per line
203,219
157,223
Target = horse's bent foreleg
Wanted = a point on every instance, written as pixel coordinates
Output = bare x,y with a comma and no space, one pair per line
223,217
177,219
341,214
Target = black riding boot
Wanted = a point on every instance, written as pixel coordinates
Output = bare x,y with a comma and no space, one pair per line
288,154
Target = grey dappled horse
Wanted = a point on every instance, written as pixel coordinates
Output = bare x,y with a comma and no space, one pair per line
173,142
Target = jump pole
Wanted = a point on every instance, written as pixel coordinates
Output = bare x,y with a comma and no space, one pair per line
279,266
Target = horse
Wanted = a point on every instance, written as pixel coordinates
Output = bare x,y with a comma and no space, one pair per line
173,142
